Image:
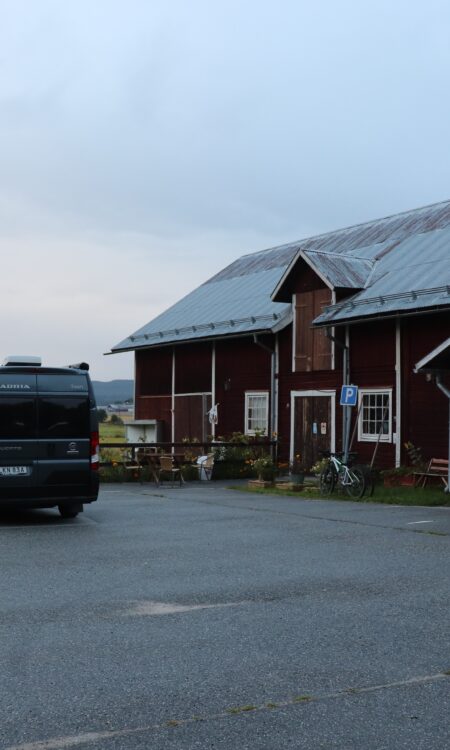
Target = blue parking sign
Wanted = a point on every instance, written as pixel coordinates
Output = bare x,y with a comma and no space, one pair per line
349,394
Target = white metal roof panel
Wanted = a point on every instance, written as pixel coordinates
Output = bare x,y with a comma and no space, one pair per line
400,262
342,272
414,275
223,307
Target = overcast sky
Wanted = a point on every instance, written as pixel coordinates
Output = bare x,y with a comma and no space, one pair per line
146,144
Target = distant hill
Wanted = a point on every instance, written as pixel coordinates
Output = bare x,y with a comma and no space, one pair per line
113,391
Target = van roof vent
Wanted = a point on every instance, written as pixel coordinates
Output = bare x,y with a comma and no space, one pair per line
21,360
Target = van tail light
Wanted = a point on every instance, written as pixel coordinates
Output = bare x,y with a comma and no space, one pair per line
95,449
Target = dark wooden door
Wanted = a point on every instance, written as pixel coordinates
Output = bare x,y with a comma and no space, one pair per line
312,428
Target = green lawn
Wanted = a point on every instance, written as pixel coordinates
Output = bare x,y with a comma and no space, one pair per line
430,496
112,433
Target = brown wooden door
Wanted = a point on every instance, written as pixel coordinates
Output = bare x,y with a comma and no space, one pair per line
312,428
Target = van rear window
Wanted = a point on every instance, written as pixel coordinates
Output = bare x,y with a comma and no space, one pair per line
14,382
54,382
64,417
17,418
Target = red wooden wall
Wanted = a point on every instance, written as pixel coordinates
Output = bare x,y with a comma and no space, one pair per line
242,365
424,407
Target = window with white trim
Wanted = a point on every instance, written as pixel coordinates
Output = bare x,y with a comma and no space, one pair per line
256,412
375,415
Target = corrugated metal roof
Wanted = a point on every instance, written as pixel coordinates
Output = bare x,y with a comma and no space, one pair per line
400,262
391,228
414,275
275,257
228,306
370,241
341,272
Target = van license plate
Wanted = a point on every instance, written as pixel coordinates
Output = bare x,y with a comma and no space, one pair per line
12,471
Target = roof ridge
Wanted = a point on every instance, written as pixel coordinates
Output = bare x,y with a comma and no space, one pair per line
341,255
347,228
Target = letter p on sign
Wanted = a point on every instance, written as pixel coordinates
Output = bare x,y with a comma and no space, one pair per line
349,394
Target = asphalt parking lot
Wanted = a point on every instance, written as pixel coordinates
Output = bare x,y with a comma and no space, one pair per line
203,617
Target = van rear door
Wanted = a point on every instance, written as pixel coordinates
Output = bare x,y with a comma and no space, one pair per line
63,433
18,453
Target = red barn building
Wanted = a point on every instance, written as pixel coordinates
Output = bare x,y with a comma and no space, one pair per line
272,338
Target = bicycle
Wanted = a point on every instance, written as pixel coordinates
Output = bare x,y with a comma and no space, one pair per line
352,478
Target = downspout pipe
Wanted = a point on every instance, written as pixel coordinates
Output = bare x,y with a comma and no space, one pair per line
446,392
345,381
272,352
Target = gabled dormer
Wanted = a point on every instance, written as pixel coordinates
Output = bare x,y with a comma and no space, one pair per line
313,281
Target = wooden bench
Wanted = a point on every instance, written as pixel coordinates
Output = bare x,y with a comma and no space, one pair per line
437,468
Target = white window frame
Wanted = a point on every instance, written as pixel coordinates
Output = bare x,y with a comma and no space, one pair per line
367,437
248,396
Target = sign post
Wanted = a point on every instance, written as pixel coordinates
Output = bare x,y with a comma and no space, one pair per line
349,397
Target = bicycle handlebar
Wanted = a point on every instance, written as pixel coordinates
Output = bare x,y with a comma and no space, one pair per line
339,454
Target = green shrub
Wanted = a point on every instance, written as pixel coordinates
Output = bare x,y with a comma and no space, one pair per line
236,461
264,467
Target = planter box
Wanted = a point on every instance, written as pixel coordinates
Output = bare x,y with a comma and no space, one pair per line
391,481
291,486
405,480
259,483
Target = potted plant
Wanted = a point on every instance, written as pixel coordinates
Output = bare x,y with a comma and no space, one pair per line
319,466
264,468
404,475
296,470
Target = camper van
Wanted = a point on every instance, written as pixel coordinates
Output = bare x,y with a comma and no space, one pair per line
49,444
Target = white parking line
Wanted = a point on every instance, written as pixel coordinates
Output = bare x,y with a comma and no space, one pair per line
60,743
411,523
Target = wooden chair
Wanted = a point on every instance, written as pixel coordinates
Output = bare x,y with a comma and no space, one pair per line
168,466
131,463
142,460
438,467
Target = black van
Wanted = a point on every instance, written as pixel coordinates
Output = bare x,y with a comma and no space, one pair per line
49,444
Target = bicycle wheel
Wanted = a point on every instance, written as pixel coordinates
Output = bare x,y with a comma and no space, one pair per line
368,480
356,485
327,480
